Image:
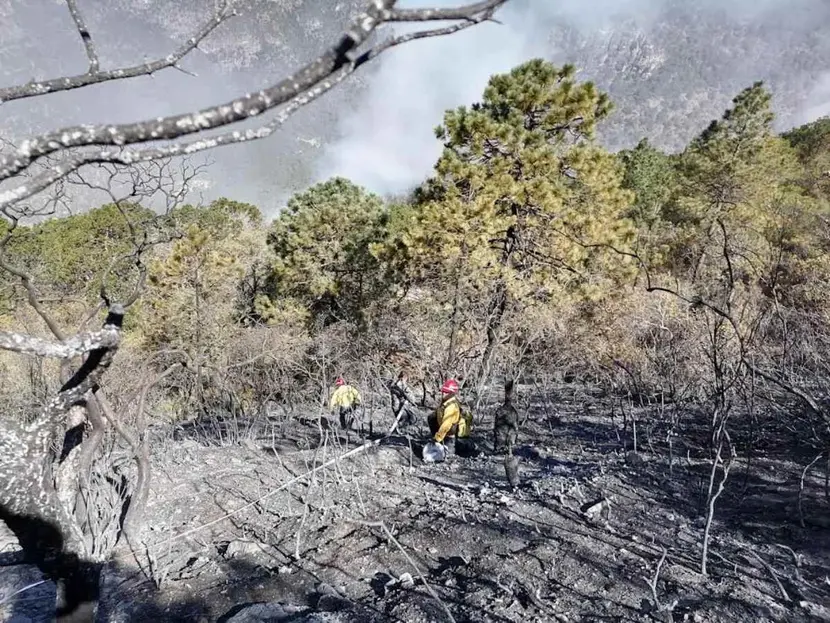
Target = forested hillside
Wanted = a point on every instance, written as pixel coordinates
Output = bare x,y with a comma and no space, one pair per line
693,287
669,66
662,314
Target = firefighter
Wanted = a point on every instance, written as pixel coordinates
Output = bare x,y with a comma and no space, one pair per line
344,402
403,402
449,420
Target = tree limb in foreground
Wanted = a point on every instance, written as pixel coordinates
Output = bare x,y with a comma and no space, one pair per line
316,78
94,75
68,349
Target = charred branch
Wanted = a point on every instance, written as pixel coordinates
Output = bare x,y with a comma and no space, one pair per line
316,78
95,76
72,347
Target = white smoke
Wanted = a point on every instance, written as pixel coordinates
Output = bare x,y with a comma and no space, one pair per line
817,102
386,139
389,144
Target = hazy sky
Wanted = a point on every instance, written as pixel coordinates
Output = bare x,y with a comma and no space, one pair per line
378,130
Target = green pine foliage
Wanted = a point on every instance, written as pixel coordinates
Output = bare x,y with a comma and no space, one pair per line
321,246
521,194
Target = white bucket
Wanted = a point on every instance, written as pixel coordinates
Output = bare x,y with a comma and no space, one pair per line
434,453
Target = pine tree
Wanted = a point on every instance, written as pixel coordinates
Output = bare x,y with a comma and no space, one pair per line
737,205
523,205
321,245
651,175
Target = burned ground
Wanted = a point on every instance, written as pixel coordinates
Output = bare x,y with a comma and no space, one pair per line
579,540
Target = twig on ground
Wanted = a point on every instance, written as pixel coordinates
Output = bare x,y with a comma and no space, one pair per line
8,598
801,488
784,595
796,556
726,561
300,529
652,584
506,589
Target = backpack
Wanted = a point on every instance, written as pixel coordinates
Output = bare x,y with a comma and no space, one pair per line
465,424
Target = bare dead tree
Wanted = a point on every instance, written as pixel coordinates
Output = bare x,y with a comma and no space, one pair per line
71,542
29,501
733,329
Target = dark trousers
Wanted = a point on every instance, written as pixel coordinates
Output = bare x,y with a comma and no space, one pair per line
347,416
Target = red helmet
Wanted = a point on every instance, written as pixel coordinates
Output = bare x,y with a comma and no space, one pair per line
450,386
339,381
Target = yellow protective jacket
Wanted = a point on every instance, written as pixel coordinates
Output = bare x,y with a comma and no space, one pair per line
344,396
448,415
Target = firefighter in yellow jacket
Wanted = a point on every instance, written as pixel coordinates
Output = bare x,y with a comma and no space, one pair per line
448,421
344,402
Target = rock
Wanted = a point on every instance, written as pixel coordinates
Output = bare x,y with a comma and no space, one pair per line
8,541
406,580
265,612
634,459
816,611
593,509
537,454
243,548
326,589
333,603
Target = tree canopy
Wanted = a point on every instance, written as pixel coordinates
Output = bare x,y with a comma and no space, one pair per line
321,243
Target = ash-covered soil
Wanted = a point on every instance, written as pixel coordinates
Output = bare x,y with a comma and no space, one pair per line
381,536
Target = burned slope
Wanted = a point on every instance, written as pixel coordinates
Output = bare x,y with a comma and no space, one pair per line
594,532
